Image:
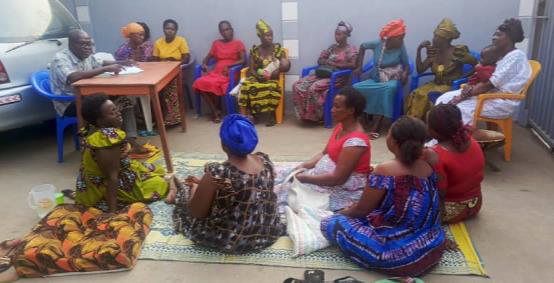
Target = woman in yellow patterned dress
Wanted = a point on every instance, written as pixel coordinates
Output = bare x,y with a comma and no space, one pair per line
446,62
260,92
108,178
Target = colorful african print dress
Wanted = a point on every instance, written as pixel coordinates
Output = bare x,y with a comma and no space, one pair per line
73,238
403,237
309,92
243,217
138,181
257,96
417,103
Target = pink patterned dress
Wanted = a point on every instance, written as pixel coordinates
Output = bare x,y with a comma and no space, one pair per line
309,92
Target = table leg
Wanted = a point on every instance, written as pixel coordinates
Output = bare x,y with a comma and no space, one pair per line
181,95
78,98
147,112
161,128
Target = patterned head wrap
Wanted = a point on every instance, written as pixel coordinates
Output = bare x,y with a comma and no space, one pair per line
392,29
262,27
447,29
345,26
131,28
238,134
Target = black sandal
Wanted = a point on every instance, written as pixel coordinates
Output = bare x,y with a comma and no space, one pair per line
70,194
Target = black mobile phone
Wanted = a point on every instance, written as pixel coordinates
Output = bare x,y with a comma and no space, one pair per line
314,276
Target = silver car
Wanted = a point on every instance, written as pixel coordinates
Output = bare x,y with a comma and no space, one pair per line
32,32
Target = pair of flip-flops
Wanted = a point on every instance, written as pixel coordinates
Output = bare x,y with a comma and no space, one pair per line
318,276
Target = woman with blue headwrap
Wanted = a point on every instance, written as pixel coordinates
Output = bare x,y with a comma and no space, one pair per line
232,208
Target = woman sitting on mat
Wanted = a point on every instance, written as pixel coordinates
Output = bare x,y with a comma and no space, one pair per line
260,93
108,178
395,228
309,92
342,166
446,62
391,65
232,208
458,161
227,52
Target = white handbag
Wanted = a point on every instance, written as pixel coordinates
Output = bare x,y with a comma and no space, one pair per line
300,195
306,208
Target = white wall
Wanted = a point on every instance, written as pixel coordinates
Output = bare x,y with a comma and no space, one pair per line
476,19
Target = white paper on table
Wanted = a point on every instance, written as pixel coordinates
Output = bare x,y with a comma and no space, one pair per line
128,71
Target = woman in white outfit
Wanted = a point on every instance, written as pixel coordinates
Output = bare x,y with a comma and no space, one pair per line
511,74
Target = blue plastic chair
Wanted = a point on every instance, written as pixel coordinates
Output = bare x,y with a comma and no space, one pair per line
399,96
327,118
228,98
40,81
468,70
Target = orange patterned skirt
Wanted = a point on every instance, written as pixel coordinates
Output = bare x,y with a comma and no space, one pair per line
74,238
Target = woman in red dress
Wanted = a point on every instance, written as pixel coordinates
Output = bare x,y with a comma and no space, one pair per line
459,162
227,52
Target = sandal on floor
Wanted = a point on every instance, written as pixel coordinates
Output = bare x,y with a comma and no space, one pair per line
5,263
70,194
374,135
347,279
147,133
400,280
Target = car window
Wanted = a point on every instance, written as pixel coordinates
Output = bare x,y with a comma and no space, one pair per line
25,20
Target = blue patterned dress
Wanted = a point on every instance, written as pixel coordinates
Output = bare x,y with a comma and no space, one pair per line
403,237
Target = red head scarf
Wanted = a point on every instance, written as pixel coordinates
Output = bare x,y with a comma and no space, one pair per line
392,29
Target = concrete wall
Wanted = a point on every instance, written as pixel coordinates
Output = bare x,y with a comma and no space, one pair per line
305,25
197,19
476,20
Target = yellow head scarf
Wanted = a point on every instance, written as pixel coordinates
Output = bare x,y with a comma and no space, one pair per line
262,27
447,29
131,28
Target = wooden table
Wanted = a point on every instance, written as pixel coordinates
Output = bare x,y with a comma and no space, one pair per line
155,77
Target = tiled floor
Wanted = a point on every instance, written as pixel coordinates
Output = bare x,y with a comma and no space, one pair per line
513,232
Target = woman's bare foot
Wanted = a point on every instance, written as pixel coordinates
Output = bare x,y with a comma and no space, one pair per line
171,181
216,117
451,246
7,246
136,148
9,275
